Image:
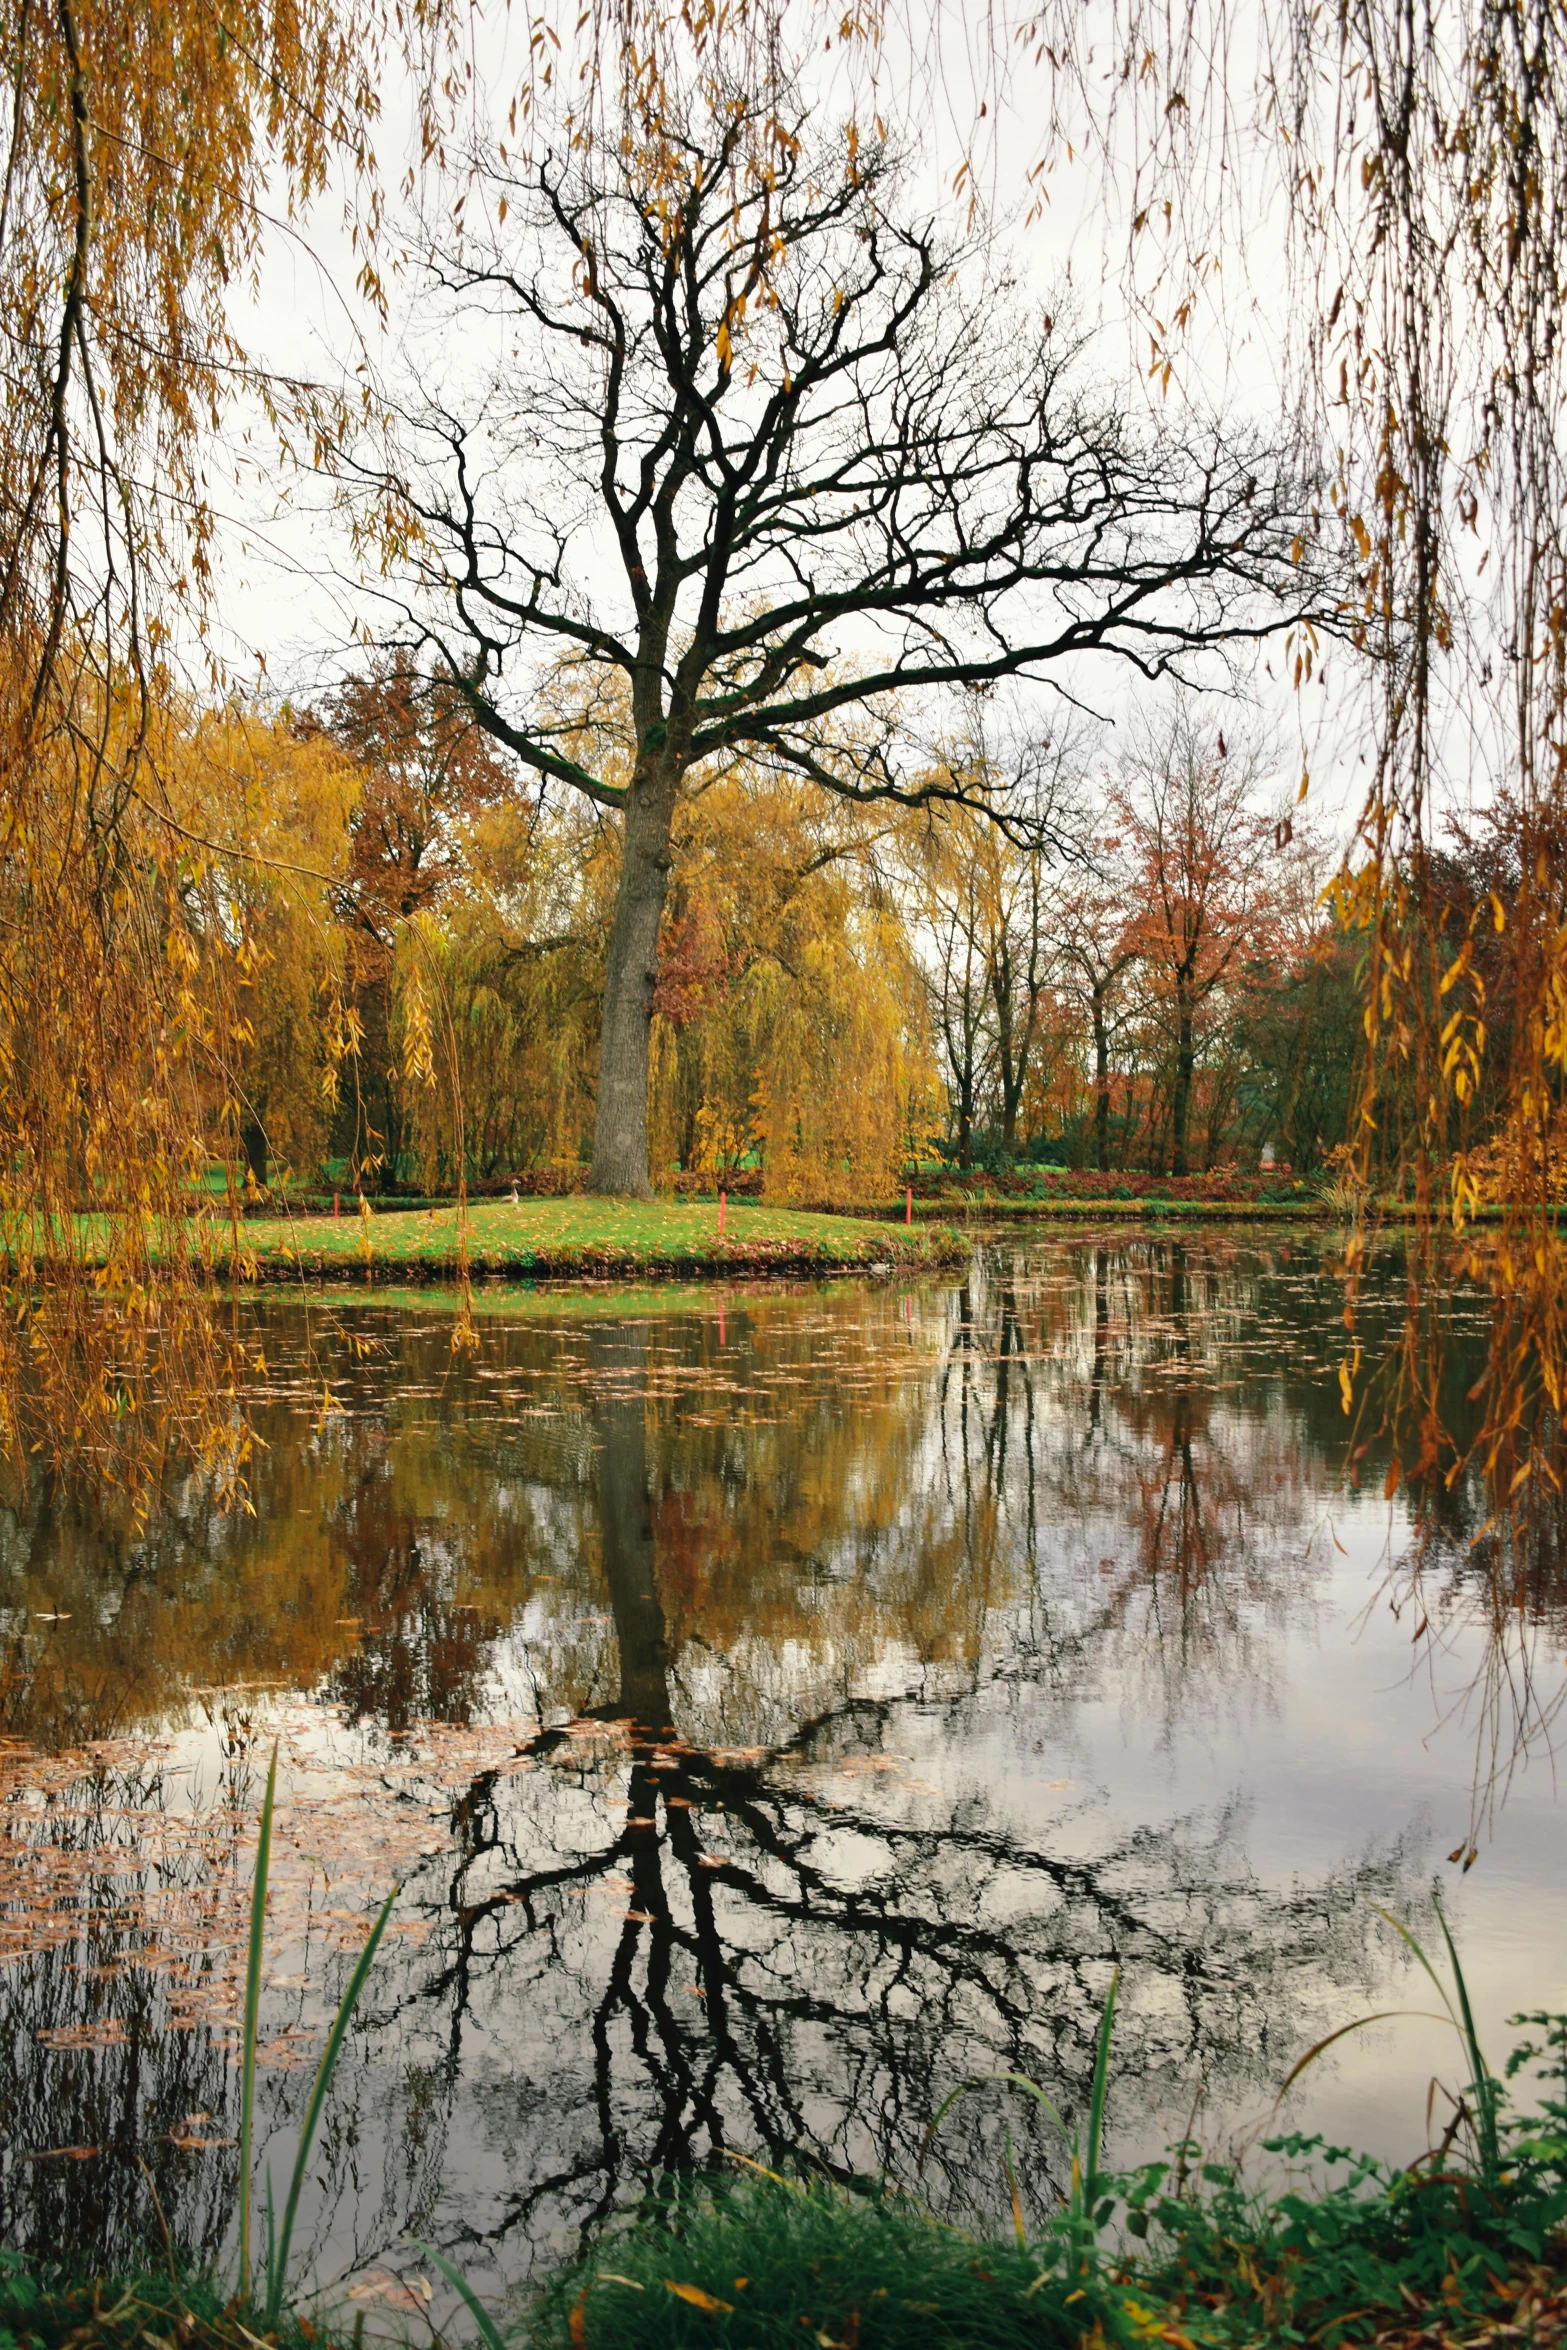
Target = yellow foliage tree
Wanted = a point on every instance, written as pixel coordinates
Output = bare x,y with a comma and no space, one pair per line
278,798
788,1014
514,966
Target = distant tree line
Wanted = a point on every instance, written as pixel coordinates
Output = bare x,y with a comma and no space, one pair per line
1141,969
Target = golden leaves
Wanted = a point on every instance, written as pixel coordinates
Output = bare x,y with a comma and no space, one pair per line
708,2303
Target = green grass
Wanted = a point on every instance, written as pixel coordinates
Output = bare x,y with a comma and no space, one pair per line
50,2306
765,2263
558,1237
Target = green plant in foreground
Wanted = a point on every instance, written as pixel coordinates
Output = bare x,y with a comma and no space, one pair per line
280,2240
1478,2108
56,2306
247,2092
1087,2206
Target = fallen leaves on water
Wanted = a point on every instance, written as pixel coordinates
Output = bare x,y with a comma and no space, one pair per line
110,2032
394,2292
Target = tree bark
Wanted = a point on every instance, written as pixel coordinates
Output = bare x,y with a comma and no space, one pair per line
965,1125
1011,1076
253,1135
1181,1102
620,1162
1101,1081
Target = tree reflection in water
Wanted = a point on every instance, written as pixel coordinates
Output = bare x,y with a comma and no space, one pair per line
806,1603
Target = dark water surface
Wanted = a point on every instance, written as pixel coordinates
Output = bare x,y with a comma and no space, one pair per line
778,1705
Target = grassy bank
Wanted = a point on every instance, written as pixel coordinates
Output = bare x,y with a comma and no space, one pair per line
1392,2259
1420,2257
1104,1208
561,1238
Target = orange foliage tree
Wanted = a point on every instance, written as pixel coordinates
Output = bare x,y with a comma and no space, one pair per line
1204,867
426,773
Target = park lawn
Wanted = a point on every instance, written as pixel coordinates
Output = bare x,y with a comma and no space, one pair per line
551,1238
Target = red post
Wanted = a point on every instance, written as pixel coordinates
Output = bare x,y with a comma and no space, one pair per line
336,1209
908,1205
723,1204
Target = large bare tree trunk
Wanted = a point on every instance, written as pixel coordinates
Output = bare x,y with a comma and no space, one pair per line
631,969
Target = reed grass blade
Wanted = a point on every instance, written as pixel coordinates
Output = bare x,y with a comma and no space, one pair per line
247,2089
1101,2089
1480,2071
493,2338
278,2264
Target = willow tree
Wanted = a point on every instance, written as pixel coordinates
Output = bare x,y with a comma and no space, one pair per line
138,144
774,461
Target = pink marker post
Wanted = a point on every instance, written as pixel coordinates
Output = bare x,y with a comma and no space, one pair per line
723,1207
908,1204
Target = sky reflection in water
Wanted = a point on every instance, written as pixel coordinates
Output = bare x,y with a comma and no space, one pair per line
833,1685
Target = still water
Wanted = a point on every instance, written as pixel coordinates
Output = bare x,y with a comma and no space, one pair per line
777,1705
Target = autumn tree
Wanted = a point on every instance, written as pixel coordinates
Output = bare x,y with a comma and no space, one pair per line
1203,853
788,1011
1099,947
768,447
515,956
425,773
951,901
139,147
989,902
281,797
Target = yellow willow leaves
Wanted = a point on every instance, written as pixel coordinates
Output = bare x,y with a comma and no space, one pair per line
1347,1370
138,142
144,1027
789,1012
418,1031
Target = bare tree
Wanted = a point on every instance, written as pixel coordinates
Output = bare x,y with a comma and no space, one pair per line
764,455
987,903
1206,856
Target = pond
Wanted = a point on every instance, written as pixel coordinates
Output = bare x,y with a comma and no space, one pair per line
777,1706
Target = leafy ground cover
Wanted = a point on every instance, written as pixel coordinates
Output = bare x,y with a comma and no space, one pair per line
1215,1187
555,1238
51,2307
1416,2260
1107,1206
1393,2259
